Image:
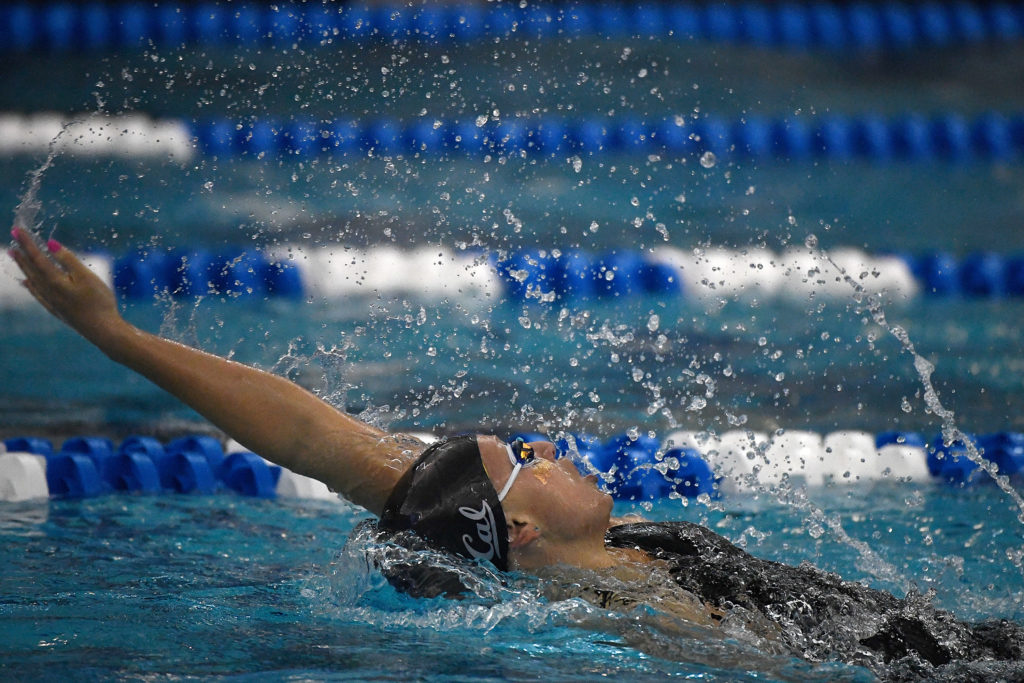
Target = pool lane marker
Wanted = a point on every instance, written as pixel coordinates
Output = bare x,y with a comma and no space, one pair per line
61,27
940,137
634,468
126,136
546,276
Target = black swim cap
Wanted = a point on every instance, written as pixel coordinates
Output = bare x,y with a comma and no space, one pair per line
447,498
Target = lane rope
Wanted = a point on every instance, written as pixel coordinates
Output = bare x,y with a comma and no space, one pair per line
61,27
546,276
634,467
914,137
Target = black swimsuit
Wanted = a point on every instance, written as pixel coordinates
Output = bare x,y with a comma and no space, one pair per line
814,614
821,616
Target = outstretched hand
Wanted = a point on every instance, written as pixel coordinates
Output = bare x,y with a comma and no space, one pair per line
65,286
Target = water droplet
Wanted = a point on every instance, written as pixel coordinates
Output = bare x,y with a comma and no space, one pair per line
708,159
638,374
811,242
736,420
653,323
905,405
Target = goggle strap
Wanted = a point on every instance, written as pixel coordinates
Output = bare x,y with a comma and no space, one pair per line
511,480
515,472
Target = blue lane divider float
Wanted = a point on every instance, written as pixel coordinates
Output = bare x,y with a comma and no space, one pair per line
547,275
91,466
553,275
573,275
633,467
912,137
690,464
198,272
60,27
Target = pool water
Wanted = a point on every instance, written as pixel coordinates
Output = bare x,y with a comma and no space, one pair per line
134,587
140,587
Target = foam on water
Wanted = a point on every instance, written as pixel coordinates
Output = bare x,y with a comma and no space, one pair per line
559,603
646,613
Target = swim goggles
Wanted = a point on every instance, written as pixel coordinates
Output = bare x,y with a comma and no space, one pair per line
520,454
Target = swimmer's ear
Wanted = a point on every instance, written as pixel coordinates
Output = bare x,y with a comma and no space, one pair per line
522,533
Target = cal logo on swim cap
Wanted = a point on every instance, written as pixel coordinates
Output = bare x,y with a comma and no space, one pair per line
486,533
447,498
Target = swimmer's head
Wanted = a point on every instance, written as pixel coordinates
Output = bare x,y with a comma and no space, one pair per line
447,498
547,513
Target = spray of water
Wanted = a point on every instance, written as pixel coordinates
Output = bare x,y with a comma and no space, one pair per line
924,368
26,214
817,521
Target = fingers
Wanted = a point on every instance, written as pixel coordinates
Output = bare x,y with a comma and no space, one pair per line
64,285
33,261
67,259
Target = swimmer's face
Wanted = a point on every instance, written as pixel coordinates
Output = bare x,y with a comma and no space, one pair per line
550,492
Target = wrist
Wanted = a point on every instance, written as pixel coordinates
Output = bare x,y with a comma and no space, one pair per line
112,336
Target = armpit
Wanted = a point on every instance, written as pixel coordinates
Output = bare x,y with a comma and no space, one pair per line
400,450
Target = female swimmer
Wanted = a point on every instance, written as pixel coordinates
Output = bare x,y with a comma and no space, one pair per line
517,507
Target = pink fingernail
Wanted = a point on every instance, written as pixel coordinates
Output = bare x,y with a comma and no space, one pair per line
53,246
15,232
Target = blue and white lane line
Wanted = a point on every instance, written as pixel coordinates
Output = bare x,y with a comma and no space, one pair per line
546,275
63,27
912,137
633,468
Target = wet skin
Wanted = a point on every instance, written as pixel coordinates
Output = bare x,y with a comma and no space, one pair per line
555,514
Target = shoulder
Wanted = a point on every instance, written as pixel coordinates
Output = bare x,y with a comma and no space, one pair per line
677,538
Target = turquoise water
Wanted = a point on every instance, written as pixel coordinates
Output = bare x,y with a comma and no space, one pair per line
132,587
137,587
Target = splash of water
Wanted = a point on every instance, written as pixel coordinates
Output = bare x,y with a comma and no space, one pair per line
924,368
26,214
815,517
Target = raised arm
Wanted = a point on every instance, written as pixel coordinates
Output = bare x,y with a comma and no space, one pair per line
265,413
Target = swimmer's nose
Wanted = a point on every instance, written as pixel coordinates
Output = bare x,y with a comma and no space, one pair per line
544,449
